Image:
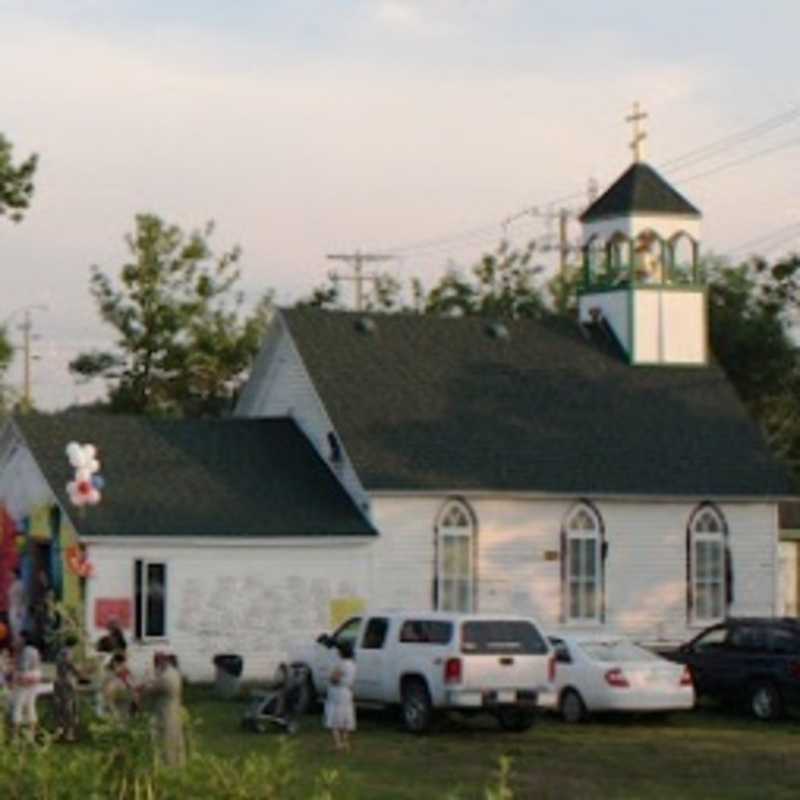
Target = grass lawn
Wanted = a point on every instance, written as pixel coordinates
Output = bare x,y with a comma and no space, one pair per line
706,754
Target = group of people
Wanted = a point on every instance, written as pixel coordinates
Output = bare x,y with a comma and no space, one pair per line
116,695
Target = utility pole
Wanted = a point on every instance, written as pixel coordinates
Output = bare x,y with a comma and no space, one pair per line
358,259
563,241
27,337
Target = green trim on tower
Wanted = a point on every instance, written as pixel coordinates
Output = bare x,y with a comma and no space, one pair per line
631,329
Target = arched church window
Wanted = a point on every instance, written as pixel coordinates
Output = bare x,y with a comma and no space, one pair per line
648,258
582,565
708,567
618,258
683,252
594,253
455,568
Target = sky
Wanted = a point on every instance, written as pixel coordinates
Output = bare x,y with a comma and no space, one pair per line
412,127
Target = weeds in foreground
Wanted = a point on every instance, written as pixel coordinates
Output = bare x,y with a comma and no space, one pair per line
121,763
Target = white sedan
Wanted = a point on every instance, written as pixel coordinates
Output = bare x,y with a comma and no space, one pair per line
609,673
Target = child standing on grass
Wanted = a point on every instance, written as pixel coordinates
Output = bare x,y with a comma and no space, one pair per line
27,676
340,715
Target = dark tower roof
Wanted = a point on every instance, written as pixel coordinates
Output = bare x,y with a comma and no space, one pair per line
639,189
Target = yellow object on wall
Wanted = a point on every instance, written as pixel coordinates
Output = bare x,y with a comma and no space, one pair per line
40,523
344,607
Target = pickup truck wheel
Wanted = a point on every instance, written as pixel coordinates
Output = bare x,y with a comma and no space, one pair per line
572,707
417,707
516,719
765,701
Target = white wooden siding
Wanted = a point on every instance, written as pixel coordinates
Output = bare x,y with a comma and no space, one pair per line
645,566
258,600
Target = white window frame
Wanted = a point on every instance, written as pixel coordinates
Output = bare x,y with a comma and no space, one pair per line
143,594
572,583
699,535
455,534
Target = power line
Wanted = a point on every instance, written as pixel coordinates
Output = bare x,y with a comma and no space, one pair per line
686,160
742,160
787,231
719,146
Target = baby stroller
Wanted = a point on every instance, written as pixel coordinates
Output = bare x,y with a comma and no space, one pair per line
279,706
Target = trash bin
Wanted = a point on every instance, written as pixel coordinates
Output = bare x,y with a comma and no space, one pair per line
229,674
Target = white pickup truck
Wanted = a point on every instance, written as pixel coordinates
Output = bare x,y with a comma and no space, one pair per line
427,661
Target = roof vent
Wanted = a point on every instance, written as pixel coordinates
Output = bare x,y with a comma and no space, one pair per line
497,330
365,325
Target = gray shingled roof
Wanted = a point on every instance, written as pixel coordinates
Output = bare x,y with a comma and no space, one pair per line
435,403
232,477
640,189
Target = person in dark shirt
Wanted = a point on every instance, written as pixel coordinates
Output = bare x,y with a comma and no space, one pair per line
116,637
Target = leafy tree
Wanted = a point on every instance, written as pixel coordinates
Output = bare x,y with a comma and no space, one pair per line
385,294
503,284
16,190
16,182
182,346
752,310
6,356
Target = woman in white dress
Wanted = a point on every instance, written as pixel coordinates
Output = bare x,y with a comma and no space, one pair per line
340,715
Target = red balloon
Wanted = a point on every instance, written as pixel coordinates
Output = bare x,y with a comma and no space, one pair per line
84,487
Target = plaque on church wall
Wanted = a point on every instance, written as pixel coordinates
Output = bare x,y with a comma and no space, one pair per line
551,555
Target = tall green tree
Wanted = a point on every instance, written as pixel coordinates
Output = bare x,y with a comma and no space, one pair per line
753,311
503,284
6,356
16,182
16,190
183,343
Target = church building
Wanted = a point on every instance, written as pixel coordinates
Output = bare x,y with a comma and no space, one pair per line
598,473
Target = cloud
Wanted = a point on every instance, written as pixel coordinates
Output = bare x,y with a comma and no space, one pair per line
437,18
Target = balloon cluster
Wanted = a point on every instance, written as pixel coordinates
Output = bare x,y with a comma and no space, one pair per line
85,488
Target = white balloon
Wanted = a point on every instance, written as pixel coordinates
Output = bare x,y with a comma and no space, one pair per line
74,453
93,498
92,466
82,474
90,451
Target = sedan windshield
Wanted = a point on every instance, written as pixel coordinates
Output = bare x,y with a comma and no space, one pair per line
616,650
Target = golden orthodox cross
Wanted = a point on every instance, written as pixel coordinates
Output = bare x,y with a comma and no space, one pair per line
638,135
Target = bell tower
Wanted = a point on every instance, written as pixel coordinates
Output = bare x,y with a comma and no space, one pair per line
641,244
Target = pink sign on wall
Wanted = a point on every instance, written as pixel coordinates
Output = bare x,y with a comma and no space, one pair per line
108,608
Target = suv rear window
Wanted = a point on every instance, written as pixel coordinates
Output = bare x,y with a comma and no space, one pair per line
784,642
499,637
426,631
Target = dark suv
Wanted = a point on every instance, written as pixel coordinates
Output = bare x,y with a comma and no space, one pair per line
752,660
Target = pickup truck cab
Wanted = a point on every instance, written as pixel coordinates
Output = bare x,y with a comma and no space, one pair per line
426,662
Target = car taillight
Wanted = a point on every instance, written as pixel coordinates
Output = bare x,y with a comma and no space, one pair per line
452,670
551,669
686,677
794,669
616,678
